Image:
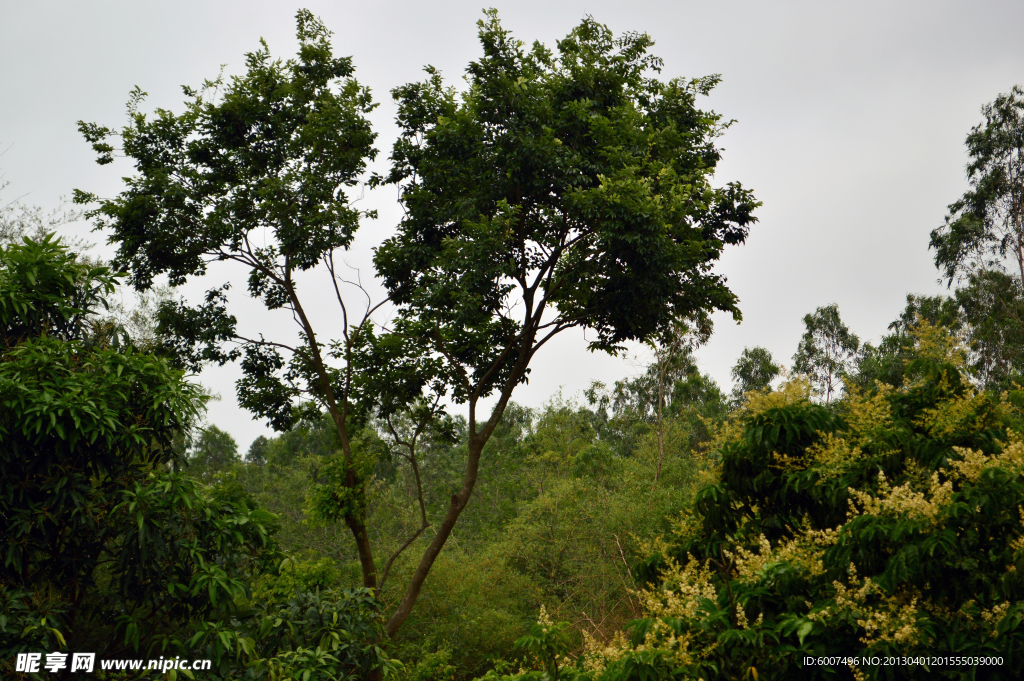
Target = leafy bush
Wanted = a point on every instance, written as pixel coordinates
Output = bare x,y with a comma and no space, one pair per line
892,525
106,546
889,524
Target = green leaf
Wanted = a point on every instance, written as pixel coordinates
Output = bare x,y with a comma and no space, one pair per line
804,629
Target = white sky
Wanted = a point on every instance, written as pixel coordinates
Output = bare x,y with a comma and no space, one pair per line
851,121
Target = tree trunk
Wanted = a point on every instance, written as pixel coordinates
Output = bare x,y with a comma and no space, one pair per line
458,504
661,419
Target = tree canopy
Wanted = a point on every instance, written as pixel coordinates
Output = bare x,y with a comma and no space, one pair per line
563,188
575,187
986,224
826,351
754,370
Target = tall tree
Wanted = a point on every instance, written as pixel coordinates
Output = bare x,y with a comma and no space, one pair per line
257,454
754,370
986,225
826,350
254,175
562,189
213,451
580,189
991,308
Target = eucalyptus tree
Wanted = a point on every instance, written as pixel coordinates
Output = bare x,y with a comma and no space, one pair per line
827,350
986,225
754,370
991,310
562,189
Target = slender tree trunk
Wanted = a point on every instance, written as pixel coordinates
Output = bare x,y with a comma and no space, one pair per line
460,500
356,519
661,418
357,525
456,506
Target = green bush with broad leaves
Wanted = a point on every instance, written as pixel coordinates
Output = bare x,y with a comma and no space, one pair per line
107,547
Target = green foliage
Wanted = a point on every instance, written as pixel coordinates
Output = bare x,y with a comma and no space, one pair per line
296,576
886,363
27,623
986,225
826,351
471,611
627,413
991,308
269,153
568,538
557,191
700,403
544,652
331,499
562,188
324,636
754,370
432,667
987,311
201,551
212,452
257,454
105,548
256,172
275,149
546,643
578,177
888,525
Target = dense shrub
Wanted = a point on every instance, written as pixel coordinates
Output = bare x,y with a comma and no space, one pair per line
890,524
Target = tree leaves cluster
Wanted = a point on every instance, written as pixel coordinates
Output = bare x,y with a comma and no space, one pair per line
103,541
986,225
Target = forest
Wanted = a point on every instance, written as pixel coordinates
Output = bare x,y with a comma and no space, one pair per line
855,511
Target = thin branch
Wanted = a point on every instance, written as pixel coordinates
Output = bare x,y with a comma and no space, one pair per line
391,560
337,292
262,341
411,446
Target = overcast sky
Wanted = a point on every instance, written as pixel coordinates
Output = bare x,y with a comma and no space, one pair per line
850,126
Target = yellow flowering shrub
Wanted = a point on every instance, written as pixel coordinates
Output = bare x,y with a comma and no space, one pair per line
888,524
